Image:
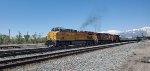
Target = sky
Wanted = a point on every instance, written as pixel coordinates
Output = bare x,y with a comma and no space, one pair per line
41,16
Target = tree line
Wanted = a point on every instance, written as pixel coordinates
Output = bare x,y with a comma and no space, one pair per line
22,39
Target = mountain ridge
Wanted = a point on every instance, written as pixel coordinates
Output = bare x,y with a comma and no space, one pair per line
144,31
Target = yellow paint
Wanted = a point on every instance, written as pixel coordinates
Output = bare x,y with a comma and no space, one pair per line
70,36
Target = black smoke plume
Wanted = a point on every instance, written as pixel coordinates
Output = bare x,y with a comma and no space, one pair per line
94,19
90,21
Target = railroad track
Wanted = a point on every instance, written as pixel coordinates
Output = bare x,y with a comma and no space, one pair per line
45,56
15,52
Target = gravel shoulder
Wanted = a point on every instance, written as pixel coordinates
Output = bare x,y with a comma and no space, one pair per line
140,60
110,59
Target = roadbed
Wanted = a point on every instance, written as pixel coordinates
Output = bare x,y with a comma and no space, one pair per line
139,60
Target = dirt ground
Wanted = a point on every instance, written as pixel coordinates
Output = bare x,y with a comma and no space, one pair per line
22,46
32,45
140,60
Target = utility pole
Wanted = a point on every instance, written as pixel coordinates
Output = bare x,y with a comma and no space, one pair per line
95,27
19,37
27,37
9,36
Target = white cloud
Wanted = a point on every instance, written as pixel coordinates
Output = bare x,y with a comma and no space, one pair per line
112,31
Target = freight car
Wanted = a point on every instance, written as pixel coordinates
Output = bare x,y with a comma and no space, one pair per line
104,38
64,37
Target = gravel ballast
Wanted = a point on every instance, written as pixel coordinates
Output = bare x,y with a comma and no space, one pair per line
109,59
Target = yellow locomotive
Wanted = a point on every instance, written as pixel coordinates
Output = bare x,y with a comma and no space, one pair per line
64,37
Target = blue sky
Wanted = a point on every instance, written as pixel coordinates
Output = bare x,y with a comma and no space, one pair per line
42,15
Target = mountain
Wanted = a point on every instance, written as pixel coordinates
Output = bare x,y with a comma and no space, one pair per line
145,31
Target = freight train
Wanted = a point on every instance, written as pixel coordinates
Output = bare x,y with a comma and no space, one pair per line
65,37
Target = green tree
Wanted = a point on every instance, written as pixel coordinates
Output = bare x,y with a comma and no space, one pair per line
27,38
43,39
1,39
34,40
13,40
4,39
19,38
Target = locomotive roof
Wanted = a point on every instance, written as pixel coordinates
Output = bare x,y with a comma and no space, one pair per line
60,29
